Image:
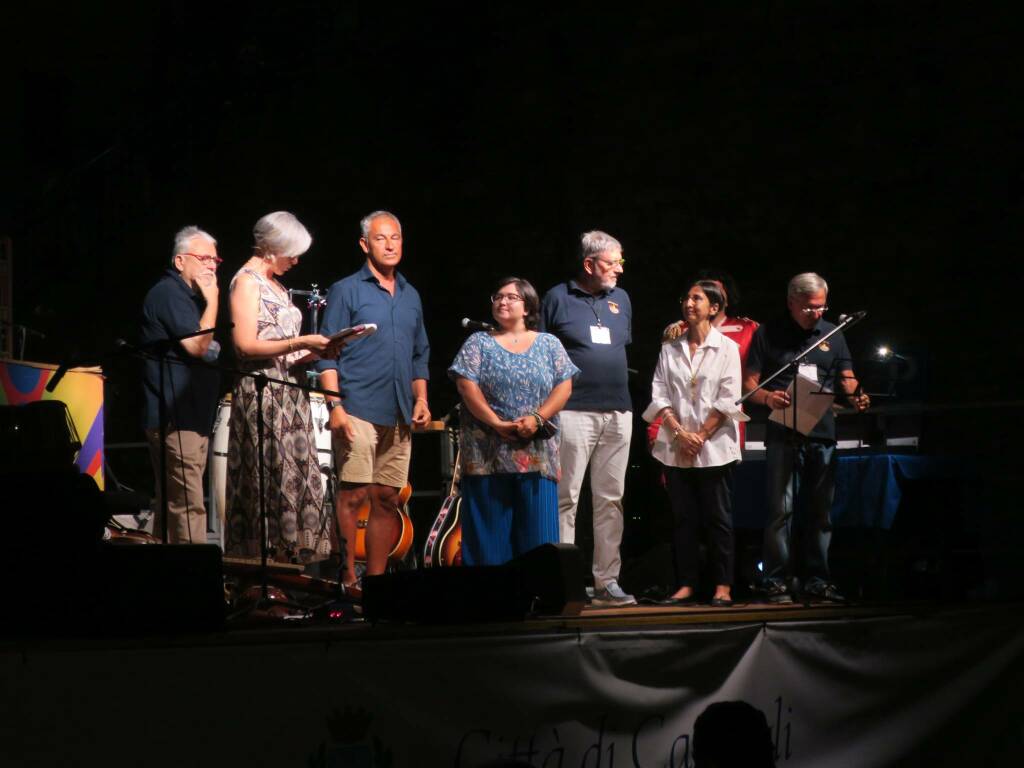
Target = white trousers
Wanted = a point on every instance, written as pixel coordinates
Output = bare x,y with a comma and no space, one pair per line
600,439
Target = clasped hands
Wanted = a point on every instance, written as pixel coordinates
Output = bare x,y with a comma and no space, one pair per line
688,443
523,428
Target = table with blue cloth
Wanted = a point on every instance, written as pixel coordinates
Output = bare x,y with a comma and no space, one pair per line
869,488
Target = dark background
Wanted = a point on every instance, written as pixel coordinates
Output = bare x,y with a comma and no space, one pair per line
876,143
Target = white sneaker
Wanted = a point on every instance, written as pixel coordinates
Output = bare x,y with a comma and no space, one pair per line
611,595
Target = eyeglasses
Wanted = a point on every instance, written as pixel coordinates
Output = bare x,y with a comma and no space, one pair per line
509,297
206,259
611,262
814,310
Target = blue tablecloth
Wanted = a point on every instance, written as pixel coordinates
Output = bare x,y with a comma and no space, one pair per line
868,488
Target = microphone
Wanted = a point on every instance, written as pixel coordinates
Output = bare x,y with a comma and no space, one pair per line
853,316
476,325
59,374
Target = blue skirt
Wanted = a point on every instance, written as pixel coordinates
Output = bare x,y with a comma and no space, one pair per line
505,515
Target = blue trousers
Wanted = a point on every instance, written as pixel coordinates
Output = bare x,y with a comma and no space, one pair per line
505,515
814,466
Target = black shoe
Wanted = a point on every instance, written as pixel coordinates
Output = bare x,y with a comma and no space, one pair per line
823,592
721,602
776,593
675,601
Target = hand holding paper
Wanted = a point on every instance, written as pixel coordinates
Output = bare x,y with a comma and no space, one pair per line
338,340
811,404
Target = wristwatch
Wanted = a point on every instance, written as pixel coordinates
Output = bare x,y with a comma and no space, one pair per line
332,404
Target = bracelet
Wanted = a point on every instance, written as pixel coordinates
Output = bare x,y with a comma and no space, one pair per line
538,418
289,346
421,399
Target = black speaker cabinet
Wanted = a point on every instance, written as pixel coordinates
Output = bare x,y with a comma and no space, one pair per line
547,580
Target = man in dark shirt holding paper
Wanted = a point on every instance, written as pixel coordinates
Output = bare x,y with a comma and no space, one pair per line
593,318
182,302
812,456
383,379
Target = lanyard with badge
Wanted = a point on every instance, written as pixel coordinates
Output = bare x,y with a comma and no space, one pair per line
600,333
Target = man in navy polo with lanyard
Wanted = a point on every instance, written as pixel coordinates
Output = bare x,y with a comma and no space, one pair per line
593,319
811,457
383,379
182,302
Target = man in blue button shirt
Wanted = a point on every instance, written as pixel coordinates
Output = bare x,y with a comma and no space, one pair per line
383,379
593,318
183,301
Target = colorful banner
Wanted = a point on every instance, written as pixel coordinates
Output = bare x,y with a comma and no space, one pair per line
6,298
81,390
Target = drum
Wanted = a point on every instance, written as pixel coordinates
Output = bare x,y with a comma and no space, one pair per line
217,469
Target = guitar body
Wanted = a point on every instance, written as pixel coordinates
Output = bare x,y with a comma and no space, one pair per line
403,542
444,542
451,542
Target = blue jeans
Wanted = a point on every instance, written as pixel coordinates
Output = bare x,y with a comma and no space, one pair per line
814,465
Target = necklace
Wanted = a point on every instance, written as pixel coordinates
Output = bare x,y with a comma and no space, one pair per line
513,336
693,378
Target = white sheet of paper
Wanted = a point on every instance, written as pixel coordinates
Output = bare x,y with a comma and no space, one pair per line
810,370
600,334
345,335
810,407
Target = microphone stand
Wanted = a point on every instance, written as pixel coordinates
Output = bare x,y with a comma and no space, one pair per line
260,381
23,332
846,321
314,303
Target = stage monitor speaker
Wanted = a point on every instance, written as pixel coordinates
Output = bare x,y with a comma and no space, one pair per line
117,590
50,513
37,436
552,575
158,587
547,580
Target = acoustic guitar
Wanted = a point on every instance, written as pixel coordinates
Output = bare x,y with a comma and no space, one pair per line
403,542
444,542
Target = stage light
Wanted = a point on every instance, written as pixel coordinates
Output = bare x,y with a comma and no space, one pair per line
885,353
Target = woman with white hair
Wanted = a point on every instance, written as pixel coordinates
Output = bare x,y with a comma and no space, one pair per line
266,339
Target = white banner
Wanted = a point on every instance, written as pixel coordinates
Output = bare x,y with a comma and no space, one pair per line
933,690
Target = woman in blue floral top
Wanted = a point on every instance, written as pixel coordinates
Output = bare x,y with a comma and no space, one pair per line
512,381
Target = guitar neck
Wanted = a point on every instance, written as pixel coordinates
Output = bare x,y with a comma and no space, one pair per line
456,472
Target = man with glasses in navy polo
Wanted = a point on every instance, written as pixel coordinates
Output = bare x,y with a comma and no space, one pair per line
183,301
383,380
593,318
810,457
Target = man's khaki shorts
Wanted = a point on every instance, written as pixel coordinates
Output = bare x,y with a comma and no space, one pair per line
377,455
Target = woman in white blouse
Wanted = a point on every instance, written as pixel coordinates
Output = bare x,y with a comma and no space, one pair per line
695,389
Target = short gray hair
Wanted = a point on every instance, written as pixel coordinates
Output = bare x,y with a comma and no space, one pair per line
806,283
367,220
184,237
596,242
282,234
